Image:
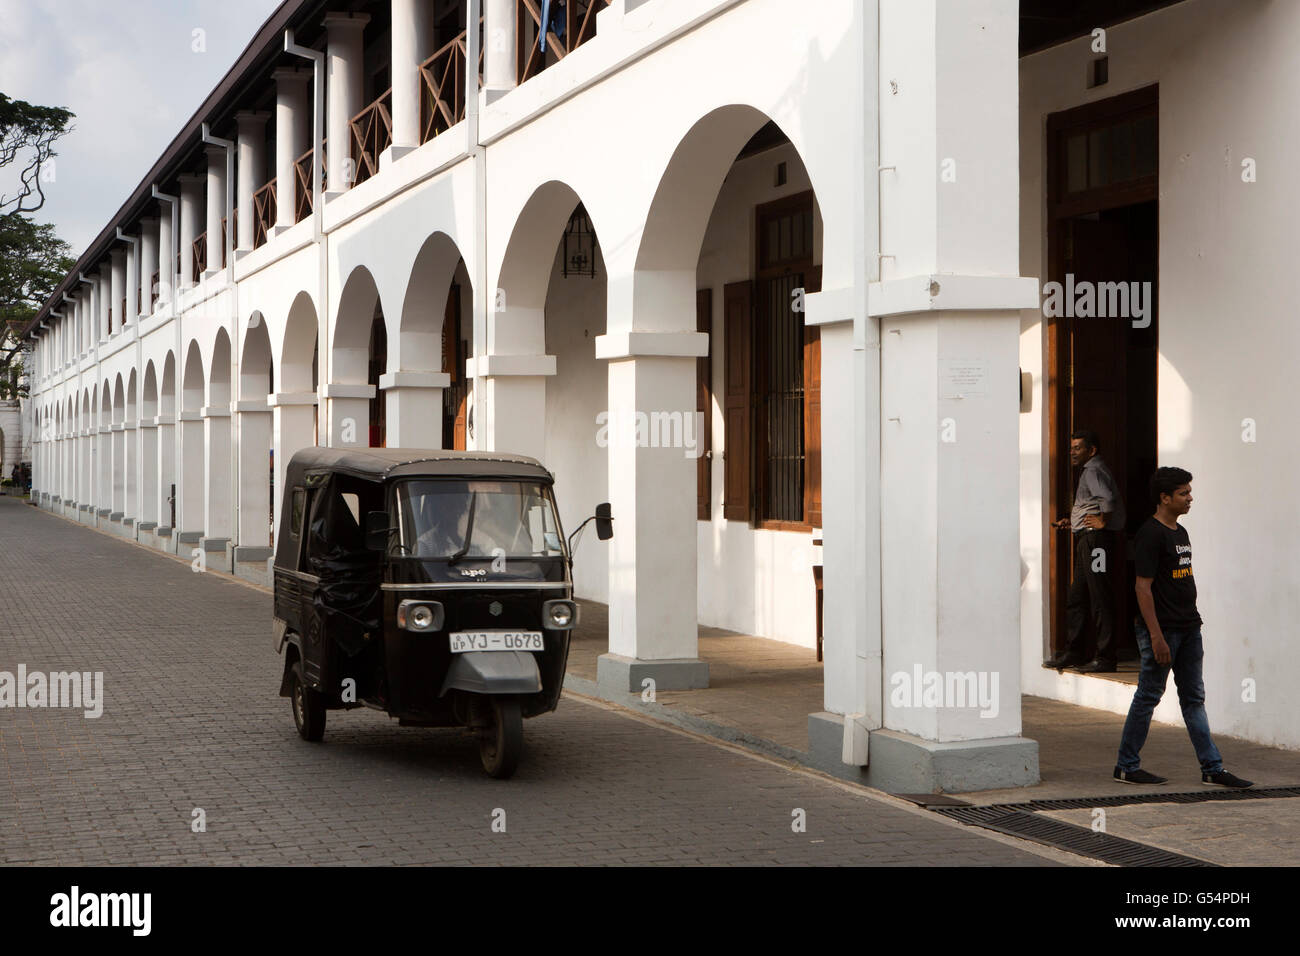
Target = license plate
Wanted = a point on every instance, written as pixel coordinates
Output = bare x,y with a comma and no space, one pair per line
462,641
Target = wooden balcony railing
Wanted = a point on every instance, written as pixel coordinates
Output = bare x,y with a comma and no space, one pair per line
578,24
302,172
153,291
263,213
372,133
442,87
200,255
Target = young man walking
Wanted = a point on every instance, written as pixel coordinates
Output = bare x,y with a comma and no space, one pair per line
1097,524
1169,634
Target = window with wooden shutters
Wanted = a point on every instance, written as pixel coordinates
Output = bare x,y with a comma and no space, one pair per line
786,367
737,400
453,363
704,406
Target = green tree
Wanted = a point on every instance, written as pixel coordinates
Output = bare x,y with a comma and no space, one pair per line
33,260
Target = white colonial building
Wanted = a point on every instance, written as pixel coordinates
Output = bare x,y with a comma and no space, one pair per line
822,225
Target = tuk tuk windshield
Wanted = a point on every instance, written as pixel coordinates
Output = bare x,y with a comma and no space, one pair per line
448,518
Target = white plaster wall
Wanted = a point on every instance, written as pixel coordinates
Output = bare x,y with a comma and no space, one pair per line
575,395
11,427
750,580
1228,338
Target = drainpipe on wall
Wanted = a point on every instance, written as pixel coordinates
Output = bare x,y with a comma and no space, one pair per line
318,222
134,243
482,295
228,253
178,372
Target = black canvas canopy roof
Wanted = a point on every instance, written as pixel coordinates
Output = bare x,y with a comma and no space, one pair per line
378,464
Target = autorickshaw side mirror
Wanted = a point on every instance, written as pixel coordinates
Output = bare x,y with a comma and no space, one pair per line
604,522
377,530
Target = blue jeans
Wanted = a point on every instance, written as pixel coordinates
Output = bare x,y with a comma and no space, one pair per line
1186,654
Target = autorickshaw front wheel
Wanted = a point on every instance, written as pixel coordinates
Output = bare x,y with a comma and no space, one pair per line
501,744
308,706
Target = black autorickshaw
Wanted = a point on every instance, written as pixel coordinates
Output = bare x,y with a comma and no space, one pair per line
432,585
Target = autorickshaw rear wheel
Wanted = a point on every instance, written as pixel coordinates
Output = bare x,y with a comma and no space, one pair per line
502,742
308,706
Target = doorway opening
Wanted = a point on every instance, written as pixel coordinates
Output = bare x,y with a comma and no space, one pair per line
1102,333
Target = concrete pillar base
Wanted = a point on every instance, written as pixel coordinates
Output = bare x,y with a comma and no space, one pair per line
148,525
393,153
623,675
901,763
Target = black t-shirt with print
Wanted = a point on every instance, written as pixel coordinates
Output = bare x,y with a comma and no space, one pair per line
1165,556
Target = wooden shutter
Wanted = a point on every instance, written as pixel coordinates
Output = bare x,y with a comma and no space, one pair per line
451,332
704,405
812,412
738,405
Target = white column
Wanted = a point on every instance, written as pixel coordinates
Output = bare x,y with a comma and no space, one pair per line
148,263
166,256
130,468
216,207
105,293
251,166
414,408
344,91
117,289
148,474
293,424
653,631
190,511
349,415
293,119
947,305
118,449
104,469
499,57
412,44
166,471
132,290
191,204
254,474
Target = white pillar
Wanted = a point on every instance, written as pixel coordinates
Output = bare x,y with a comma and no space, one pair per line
104,468
254,475
251,145
344,91
166,472
412,44
105,293
216,207
293,119
118,450
130,468
216,525
499,57
117,289
132,290
166,256
148,263
414,408
191,205
190,510
293,427
948,304
148,474
653,630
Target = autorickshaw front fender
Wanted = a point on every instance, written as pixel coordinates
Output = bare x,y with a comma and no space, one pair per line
494,672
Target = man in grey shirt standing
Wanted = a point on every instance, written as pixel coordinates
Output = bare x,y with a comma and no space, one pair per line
1097,523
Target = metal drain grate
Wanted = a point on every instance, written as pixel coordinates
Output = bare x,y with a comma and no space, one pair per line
1189,796
1066,836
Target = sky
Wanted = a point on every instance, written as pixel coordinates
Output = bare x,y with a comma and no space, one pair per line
133,71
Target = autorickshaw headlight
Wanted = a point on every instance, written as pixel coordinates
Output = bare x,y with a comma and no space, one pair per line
560,615
420,615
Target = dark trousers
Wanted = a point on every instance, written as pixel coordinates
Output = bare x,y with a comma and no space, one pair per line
1090,591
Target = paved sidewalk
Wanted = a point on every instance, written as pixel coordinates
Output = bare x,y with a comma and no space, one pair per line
191,721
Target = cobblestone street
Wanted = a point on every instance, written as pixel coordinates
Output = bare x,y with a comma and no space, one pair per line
191,720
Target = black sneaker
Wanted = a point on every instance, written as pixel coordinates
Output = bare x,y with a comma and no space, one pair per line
1137,776
1224,779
